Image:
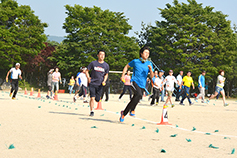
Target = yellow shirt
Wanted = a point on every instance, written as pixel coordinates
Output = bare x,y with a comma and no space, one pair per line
72,82
187,81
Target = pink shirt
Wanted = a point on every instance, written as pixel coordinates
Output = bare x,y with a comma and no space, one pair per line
56,76
127,80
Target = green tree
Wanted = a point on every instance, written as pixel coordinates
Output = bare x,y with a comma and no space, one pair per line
93,29
21,34
191,37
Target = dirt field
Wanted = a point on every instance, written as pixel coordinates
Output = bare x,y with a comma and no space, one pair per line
61,129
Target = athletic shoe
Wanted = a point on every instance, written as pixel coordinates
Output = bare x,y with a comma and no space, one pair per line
119,99
191,104
181,104
47,97
203,102
13,98
157,104
85,101
152,104
91,114
196,100
121,119
106,100
208,101
74,99
132,113
10,94
177,100
226,104
172,105
162,100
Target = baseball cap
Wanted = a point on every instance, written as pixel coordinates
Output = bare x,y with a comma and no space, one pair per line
18,64
171,71
162,71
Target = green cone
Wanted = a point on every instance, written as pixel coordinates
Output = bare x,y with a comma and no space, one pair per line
176,126
93,127
143,127
211,146
102,115
133,125
208,133
11,146
39,106
163,151
233,151
193,129
157,130
174,135
188,140
216,131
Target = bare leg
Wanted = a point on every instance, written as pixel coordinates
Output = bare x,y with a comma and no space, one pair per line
223,95
213,96
92,102
170,97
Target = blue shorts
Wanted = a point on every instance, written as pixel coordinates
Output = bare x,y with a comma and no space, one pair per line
218,89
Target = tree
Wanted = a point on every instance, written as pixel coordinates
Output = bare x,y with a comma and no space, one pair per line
21,34
90,30
191,37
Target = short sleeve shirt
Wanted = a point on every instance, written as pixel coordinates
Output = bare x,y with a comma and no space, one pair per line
83,78
169,81
56,76
187,81
140,72
99,70
219,84
15,73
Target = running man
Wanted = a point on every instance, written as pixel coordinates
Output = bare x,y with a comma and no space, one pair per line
187,82
15,74
179,91
201,86
219,87
84,83
169,82
49,83
77,85
157,82
127,85
56,78
99,74
141,67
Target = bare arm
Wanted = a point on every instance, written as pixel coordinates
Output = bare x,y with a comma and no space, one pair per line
193,85
151,72
88,76
20,77
105,78
7,76
125,69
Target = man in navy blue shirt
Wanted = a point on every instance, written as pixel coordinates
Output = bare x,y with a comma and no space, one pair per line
99,74
141,67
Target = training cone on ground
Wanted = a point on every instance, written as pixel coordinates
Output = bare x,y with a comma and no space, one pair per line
39,95
164,117
31,92
99,106
56,95
25,92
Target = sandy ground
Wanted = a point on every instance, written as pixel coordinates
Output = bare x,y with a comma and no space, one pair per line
61,129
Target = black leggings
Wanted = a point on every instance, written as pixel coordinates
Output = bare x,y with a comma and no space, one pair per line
135,99
156,95
125,88
14,88
106,92
83,91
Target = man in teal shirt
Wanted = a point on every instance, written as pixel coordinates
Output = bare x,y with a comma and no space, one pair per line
201,86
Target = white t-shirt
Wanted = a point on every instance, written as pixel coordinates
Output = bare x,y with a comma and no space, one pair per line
84,80
15,73
179,78
158,81
169,81
218,83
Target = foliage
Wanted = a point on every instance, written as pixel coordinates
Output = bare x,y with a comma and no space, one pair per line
21,33
191,37
90,30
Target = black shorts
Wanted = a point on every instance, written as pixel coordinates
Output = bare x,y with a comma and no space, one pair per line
50,88
95,91
76,87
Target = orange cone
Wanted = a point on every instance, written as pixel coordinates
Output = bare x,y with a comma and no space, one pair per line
25,92
31,92
99,106
39,95
164,117
56,96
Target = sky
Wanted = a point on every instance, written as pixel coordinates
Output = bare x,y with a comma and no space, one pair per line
52,12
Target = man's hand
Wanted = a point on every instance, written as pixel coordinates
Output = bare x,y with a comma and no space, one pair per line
150,68
6,79
89,80
103,83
